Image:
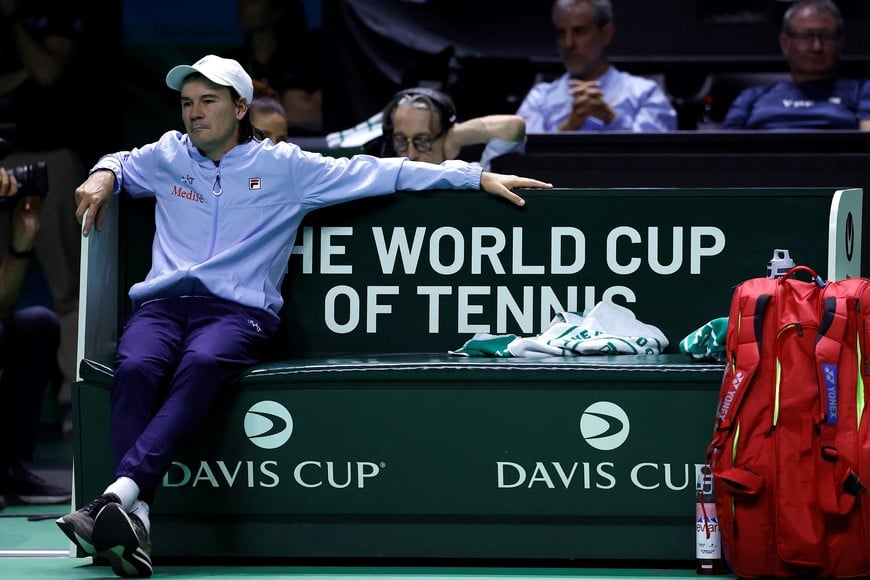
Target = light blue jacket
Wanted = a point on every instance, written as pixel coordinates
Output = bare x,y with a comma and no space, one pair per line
227,230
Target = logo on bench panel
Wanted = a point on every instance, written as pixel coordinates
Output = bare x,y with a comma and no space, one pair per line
268,424
604,425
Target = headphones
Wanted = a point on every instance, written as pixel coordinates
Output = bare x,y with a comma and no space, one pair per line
383,146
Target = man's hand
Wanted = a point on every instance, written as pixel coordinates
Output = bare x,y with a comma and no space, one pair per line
588,101
501,185
25,222
24,218
93,196
8,184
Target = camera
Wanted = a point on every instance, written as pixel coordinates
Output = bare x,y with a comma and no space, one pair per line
32,178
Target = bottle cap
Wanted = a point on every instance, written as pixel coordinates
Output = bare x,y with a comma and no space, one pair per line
779,264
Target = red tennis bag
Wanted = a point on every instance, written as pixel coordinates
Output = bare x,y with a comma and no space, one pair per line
790,453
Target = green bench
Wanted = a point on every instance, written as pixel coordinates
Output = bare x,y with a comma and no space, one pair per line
381,445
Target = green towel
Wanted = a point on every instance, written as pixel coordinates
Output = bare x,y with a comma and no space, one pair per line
708,342
486,345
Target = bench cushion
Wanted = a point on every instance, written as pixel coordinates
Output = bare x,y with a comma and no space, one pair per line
451,369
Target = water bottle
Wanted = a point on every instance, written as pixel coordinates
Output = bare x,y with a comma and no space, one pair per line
708,541
706,122
779,264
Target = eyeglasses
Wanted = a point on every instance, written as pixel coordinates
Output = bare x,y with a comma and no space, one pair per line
422,143
809,36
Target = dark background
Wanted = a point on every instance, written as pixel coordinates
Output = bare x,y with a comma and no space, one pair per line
486,53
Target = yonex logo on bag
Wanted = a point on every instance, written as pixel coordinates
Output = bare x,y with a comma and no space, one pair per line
729,396
604,425
268,424
830,373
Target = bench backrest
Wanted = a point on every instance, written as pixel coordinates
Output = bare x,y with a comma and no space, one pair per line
423,272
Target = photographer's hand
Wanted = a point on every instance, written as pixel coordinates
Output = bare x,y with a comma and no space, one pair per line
8,184
24,219
25,223
92,197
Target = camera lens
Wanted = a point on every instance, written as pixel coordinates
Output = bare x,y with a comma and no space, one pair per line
32,179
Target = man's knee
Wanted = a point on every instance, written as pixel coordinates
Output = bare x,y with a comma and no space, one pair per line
139,366
39,323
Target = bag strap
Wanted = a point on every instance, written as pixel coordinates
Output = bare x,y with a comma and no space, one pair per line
838,484
740,481
799,268
743,361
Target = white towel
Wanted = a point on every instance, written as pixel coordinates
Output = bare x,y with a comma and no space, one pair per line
358,135
606,328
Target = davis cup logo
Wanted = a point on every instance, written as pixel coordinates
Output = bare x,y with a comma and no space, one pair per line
604,425
268,424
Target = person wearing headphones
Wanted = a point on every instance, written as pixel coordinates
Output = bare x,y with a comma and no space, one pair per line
421,124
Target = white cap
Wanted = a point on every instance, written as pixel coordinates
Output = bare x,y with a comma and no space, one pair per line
222,71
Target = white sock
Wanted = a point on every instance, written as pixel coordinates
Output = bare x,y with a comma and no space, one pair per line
126,489
141,509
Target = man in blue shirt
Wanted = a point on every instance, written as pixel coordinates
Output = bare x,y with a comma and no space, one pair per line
812,41
593,95
228,208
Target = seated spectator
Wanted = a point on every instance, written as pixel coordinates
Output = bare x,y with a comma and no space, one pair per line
420,124
269,116
29,339
811,40
593,95
281,55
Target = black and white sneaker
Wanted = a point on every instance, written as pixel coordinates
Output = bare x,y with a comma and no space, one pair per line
19,485
79,525
123,540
